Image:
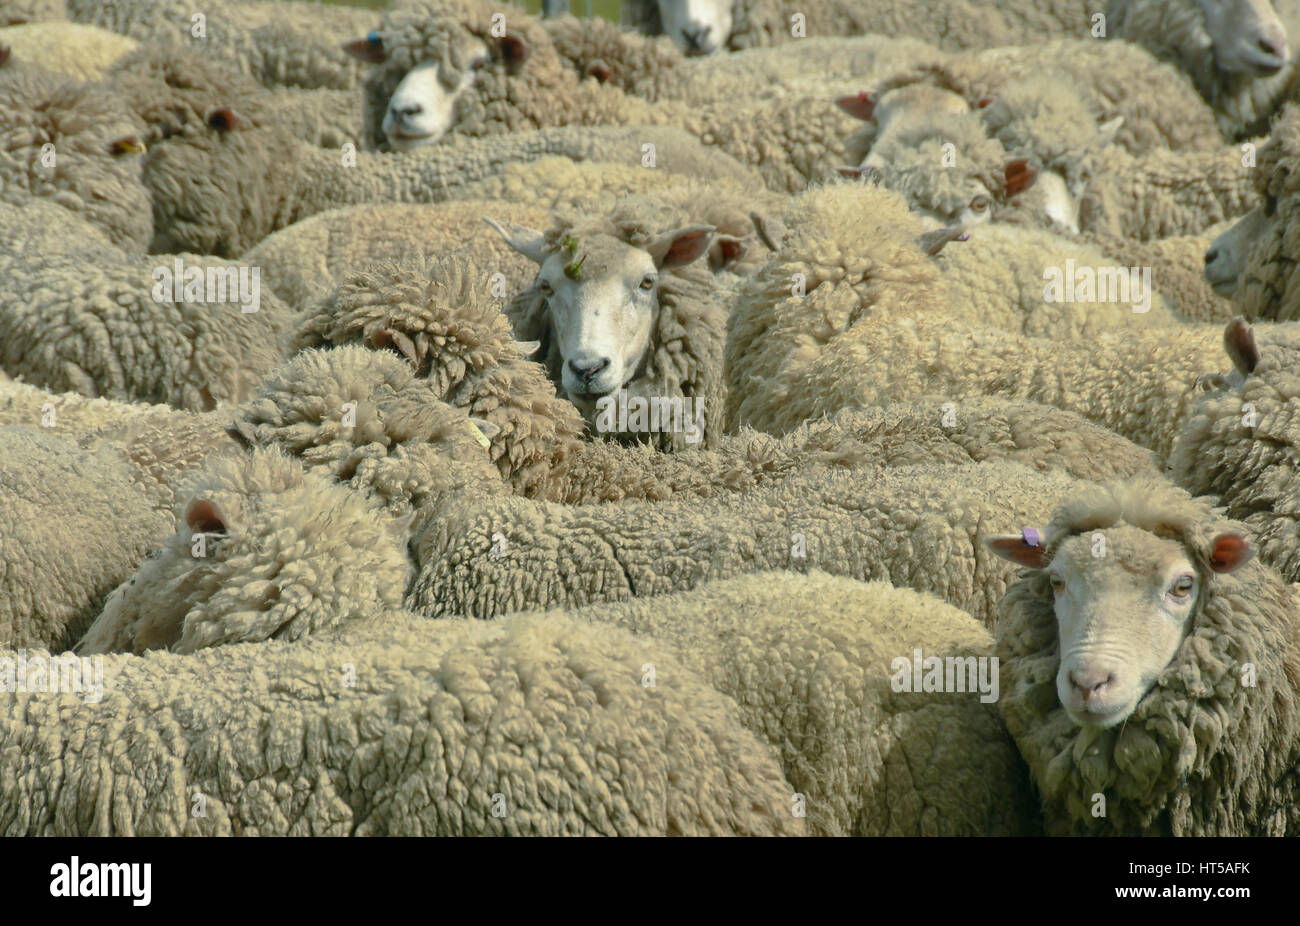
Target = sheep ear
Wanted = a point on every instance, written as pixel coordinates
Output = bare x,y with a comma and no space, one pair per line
730,250
223,119
127,144
486,428
514,49
527,241
391,338
4,52
370,49
859,105
932,242
984,102
681,247
1229,552
1239,342
243,432
1019,177
1018,549
770,231
1107,131
203,517
599,70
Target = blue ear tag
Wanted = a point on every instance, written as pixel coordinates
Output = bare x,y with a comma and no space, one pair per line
372,38
1030,537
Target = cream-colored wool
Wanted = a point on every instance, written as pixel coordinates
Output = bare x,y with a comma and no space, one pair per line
70,49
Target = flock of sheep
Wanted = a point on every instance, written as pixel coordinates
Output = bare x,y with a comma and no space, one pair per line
845,417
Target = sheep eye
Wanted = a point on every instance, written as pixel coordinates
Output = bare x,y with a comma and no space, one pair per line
1057,583
547,289
1182,587
980,203
648,283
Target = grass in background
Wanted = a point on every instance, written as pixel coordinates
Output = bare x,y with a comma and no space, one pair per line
605,8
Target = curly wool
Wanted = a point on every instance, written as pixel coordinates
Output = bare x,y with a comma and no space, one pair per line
1179,271
74,523
80,173
807,659
1270,286
360,417
215,190
88,322
275,539
1203,753
549,714
439,316
1239,446
69,49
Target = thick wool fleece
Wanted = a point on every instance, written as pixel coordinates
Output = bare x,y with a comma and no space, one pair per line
70,49
684,356
1203,753
15,12
1239,445
440,317
87,321
917,526
808,660
1178,271
283,555
1270,285
545,719
39,226
73,525
304,263
81,172
218,187
1166,193
360,417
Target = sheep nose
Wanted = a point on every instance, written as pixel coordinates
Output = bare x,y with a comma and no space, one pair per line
1090,682
1273,47
697,38
586,368
1211,256
410,109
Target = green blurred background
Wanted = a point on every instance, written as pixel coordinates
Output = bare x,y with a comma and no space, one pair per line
606,8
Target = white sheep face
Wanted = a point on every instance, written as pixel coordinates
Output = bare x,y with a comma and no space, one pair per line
1225,261
699,27
1248,36
422,108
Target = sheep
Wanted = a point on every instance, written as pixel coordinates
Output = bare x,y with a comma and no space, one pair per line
189,332
264,551
652,370
74,523
1183,270
361,418
277,44
76,146
917,526
1267,282
1225,257
738,24
530,726
1150,689
68,49
808,660
1238,443
1235,51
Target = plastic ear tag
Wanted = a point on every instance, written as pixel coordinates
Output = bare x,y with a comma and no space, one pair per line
479,436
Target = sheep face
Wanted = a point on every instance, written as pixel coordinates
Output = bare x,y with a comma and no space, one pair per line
1226,258
1124,600
699,27
422,108
602,301
1248,36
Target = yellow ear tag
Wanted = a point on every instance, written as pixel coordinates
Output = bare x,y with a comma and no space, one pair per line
479,436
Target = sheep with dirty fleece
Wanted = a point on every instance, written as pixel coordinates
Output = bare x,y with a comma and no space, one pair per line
1235,51
361,418
916,526
629,320
74,523
1239,442
283,739
260,554
1159,675
813,662
76,146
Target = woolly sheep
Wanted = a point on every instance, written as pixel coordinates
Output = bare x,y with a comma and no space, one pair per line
808,660
1160,678
1225,256
105,324
73,524
73,145
1234,50
1238,443
664,342
546,719
264,551
917,526
1180,271
68,49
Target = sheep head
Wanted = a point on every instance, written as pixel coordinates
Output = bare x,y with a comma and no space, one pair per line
1248,37
698,27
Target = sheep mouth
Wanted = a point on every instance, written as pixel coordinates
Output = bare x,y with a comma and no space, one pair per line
1099,719
1262,65
1225,287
